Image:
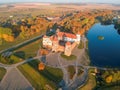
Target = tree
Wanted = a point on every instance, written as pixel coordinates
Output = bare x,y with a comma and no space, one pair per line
43,52
7,31
41,66
109,79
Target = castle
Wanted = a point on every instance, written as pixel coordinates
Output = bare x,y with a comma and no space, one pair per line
61,42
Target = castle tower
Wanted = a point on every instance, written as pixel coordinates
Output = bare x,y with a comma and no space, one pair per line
78,38
55,44
57,30
68,49
47,42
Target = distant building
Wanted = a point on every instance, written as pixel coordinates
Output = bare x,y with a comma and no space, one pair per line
61,42
53,18
11,16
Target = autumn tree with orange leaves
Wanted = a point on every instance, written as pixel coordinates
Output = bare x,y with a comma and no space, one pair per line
82,21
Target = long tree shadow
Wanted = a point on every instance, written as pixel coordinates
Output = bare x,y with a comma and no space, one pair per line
46,73
20,54
43,59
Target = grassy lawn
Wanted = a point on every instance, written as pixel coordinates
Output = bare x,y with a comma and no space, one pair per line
91,83
87,43
2,73
10,60
81,45
71,70
29,50
39,79
71,57
87,53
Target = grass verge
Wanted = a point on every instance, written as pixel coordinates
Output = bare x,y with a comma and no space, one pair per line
13,59
2,73
91,83
41,79
71,70
71,57
81,45
29,50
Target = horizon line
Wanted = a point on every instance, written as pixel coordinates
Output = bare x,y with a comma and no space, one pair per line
60,2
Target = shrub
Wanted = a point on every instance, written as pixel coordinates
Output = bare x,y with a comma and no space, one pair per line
71,57
109,79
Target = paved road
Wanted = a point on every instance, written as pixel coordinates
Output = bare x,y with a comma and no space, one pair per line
79,81
65,74
14,80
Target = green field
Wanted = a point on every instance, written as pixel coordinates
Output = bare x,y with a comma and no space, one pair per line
41,79
2,73
29,50
81,45
13,59
71,70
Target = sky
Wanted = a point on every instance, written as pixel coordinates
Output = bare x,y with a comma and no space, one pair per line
64,1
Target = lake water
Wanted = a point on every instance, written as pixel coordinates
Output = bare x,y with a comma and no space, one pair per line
104,52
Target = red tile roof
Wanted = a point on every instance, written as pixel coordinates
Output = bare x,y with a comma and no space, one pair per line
51,38
69,35
68,43
55,39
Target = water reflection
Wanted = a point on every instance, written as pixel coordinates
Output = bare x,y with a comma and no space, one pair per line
118,31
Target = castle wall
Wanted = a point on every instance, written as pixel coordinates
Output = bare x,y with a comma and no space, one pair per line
73,45
47,42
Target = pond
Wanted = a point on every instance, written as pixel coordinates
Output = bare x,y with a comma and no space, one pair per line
105,52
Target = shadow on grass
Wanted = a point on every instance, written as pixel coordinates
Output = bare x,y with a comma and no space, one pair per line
20,54
43,59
